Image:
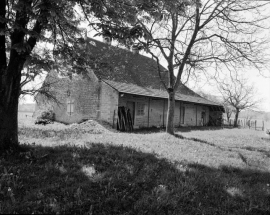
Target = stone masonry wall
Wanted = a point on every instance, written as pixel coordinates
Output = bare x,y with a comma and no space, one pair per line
156,108
94,99
193,115
83,91
108,104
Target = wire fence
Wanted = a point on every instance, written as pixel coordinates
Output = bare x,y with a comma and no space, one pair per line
245,123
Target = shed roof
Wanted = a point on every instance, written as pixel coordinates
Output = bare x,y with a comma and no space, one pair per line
136,74
156,93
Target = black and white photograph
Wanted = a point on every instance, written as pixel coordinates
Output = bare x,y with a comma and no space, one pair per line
126,107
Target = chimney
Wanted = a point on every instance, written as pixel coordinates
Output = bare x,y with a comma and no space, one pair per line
107,40
135,50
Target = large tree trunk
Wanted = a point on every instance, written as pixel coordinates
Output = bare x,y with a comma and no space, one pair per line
170,113
236,117
9,126
10,71
228,117
10,91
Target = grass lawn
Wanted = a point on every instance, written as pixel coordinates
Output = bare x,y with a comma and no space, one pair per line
89,169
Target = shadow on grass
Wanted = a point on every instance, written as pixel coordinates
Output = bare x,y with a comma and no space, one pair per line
105,179
179,136
178,129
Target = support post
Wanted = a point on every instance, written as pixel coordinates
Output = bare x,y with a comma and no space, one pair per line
113,117
255,124
163,112
180,114
148,110
196,115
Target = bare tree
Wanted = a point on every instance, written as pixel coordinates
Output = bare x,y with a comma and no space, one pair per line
238,94
198,37
228,110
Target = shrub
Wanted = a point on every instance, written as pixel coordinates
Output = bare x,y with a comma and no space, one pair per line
45,117
48,114
40,121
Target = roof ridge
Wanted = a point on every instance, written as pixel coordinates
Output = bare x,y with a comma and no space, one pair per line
126,50
121,65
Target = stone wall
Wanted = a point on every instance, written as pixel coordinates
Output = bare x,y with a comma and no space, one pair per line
155,111
139,120
108,104
94,99
193,115
82,90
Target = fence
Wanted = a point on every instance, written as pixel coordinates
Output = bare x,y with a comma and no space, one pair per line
245,123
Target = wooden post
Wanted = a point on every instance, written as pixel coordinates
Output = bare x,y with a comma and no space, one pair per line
113,118
196,115
164,113
148,111
180,115
255,124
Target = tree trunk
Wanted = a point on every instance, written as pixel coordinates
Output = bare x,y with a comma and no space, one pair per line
9,127
9,91
228,118
236,117
170,114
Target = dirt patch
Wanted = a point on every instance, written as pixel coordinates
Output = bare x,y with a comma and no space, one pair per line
63,131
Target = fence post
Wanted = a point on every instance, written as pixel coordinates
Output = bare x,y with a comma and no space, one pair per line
262,125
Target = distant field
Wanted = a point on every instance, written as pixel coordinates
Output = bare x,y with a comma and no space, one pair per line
25,114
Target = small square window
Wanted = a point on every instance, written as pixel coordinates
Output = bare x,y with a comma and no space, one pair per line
140,109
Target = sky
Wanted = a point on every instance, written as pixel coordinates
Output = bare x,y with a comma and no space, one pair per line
261,86
261,83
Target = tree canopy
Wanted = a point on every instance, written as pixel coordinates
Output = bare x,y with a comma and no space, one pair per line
26,23
238,95
198,36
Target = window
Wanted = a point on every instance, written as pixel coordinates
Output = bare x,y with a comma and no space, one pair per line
140,109
70,106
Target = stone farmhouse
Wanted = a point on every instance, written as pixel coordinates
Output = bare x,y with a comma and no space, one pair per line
124,78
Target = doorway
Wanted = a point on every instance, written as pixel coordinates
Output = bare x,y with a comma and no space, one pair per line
131,107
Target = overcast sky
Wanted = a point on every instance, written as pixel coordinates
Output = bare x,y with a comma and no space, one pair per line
261,83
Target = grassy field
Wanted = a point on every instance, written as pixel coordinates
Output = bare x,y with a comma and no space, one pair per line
89,169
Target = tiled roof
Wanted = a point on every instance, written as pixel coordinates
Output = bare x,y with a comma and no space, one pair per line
134,73
121,65
144,91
